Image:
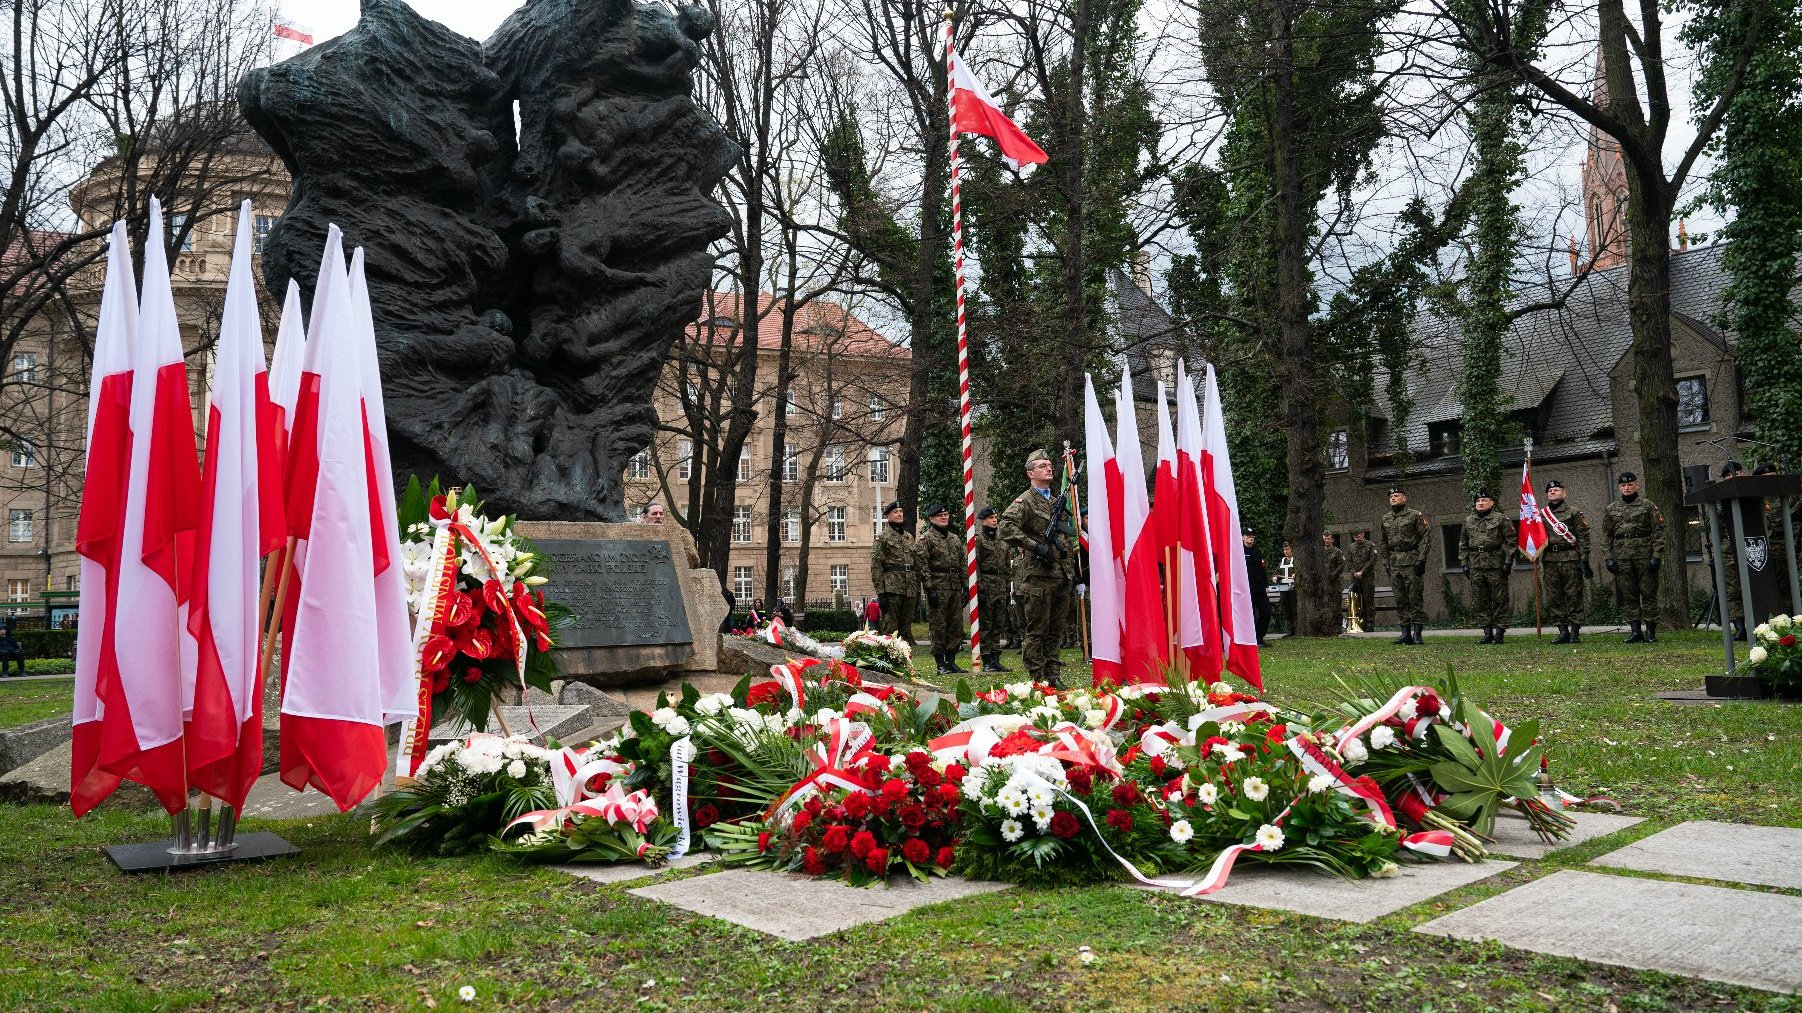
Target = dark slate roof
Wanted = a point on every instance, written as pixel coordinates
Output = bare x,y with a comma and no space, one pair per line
1557,358
1145,330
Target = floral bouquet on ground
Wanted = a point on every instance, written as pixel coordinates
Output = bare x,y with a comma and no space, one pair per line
1776,656
463,793
879,654
596,819
476,577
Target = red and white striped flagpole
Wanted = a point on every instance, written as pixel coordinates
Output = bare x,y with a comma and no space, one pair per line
963,355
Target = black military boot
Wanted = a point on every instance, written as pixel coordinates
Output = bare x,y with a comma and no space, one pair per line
1407,636
1563,634
1500,632
951,663
992,663
1420,633
1576,633
1739,629
1651,631
1488,635
1637,637
943,669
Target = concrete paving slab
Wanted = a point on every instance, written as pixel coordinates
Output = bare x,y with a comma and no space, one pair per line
1307,892
1515,839
796,907
625,872
1765,856
1742,937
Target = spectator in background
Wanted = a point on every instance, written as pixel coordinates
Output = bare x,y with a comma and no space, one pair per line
653,514
783,613
11,651
872,614
1259,578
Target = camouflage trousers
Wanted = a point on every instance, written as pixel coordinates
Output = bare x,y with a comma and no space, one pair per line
1638,588
947,616
1489,596
1565,597
1046,607
897,616
997,617
1408,606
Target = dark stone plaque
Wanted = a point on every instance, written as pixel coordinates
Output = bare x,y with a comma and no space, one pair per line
624,592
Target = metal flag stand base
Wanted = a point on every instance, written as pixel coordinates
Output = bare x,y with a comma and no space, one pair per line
188,849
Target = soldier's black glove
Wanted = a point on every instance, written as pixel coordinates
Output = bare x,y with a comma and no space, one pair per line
1357,587
1508,568
932,598
1466,569
1042,550
882,603
1654,563
1611,566
1420,568
1589,572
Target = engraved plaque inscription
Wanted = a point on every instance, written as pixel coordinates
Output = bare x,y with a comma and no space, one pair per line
623,592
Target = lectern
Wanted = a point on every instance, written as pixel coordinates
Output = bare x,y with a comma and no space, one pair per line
1767,559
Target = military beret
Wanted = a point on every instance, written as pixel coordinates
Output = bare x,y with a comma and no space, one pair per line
893,506
1767,468
1482,494
1035,457
1626,476
1552,483
1248,531
1730,469
985,513
1396,488
937,508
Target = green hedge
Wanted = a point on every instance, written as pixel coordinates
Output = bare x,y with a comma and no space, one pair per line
830,620
46,643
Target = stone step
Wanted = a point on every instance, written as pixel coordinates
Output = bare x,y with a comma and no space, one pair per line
547,722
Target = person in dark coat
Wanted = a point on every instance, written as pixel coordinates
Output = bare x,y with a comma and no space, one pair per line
1259,577
11,651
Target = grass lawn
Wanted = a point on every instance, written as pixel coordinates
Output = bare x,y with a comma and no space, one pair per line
342,926
22,702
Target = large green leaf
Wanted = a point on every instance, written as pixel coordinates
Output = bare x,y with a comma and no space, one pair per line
1457,745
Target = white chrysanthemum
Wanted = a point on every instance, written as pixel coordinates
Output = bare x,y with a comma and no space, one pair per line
713,703
1041,817
1208,793
517,770
1039,794
1319,783
1756,655
795,715
1388,870
1270,838
1382,737
1229,754
1094,718
1013,801
1409,710
1181,832
1012,830
1354,752
1231,728
1255,789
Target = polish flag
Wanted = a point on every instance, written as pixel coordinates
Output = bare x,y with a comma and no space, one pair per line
144,701
1104,569
399,688
284,373
974,111
1198,619
293,32
1239,633
100,525
332,706
1144,647
238,524
1532,521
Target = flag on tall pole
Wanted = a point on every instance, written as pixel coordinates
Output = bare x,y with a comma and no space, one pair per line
1104,569
239,523
1532,520
972,111
1144,643
101,523
1198,619
1238,628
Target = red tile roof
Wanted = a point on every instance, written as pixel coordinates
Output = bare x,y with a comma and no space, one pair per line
819,326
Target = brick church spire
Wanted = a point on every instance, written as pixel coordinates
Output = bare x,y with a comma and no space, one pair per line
1604,188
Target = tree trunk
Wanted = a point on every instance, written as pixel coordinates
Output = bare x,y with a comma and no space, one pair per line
772,553
927,357
1649,206
1303,521
1072,156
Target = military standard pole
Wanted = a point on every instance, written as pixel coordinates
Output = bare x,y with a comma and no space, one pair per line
963,356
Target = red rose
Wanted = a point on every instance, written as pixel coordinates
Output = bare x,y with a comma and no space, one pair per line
894,789
1158,766
1153,697
913,817
915,760
945,857
802,820
473,674
1787,640
955,773
928,777
1120,820
948,794
762,693
1064,825
814,805
861,843
876,861
857,805
598,783
1126,793
707,816
763,842
811,862
1427,705
916,851
837,839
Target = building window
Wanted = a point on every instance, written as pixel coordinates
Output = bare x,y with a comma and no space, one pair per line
835,524
741,583
841,578
1338,450
791,462
1449,537
25,453
878,408
1442,439
178,226
71,583
25,367
741,524
639,466
788,405
1692,401
835,464
879,461
19,525
685,455
744,465
788,582
838,406
261,225
791,525
18,589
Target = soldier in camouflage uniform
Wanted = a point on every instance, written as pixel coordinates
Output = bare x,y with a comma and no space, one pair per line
892,572
1402,543
1049,564
1564,566
1486,555
939,560
1335,577
993,567
1633,538
1723,516
1361,566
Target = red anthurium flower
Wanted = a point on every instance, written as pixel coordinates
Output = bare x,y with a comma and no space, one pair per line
462,610
494,595
480,645
437,653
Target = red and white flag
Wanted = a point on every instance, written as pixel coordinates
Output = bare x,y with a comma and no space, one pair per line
974,111
1144,644
141,738
1532,522
332,701
1198,607
292,31
1238,627
284,368
1104,561
101,524
241,520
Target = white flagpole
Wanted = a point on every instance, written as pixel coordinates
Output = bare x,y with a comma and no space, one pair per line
963,356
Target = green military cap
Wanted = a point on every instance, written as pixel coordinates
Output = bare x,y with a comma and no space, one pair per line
1037,456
